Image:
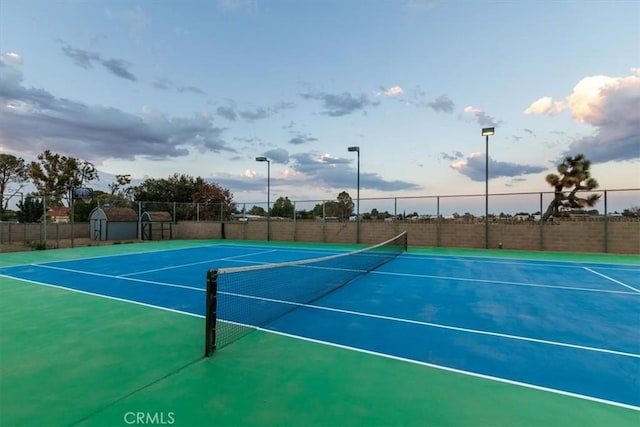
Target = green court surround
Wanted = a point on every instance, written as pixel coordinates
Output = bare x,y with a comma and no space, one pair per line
68,358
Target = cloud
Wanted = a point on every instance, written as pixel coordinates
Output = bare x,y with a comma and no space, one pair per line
191,89
474,167
302,139
442,104
227,112
455,155
278,155
162,84
82,58
328,171
86,59
311,169
337,105
481,117
119,68
392,91
545,105
249,173
231,112
256,114
611,105
35,120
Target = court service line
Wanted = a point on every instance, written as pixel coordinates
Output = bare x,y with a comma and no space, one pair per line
436,325
93,294
502,282
454,370
451,278
124,254
523,262
194,263
612,279
109,276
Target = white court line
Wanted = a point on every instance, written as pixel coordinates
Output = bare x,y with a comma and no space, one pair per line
453,278
194,263
612,279
437,325
502,282
109,276
454,370
360,350
450,278
395,319
519,261
141,252
93,294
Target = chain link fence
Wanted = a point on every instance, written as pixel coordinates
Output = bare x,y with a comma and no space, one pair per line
60,226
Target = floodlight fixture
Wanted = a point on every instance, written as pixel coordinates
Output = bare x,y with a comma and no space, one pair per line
488,131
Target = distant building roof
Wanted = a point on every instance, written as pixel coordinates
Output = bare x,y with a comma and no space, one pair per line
120,214
157,216
59,211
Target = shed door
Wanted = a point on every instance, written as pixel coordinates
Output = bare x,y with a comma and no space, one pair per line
146,230
99,229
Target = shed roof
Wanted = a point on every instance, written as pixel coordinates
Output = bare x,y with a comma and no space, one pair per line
157,216
120,214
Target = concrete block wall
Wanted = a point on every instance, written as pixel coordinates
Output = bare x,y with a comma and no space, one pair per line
624,237
577,235
564,235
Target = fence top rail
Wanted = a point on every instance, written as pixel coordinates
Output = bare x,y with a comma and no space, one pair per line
524,193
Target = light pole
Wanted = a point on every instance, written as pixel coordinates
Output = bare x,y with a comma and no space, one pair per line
486,132
264,159
357,150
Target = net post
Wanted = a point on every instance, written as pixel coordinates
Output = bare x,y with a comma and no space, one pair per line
211,312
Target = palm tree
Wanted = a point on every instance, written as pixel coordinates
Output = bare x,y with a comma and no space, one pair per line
574,173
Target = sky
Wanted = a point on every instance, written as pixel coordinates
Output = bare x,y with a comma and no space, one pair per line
202,87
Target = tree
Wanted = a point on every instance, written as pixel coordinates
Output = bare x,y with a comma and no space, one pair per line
257,210
31,209
181,188
82,209
118,189
55,176
12,170
185,189
304,214
573,173
283,207
633,212
345,205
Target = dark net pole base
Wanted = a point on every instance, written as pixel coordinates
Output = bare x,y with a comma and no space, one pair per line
211,312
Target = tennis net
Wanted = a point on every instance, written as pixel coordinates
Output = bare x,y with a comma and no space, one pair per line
243,299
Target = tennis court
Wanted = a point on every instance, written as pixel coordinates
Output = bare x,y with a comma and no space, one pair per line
114,335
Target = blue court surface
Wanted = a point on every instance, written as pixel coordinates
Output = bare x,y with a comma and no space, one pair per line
565,327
